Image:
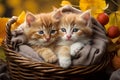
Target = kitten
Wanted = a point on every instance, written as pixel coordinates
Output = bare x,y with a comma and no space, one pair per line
42,31
75,32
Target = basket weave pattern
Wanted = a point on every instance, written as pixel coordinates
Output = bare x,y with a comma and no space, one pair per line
23,68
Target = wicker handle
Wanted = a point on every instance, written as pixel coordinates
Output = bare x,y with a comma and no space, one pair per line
8,29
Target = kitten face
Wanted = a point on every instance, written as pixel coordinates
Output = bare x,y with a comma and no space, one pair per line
41,29
75,26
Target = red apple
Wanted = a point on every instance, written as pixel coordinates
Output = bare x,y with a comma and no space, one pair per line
113,31
103,18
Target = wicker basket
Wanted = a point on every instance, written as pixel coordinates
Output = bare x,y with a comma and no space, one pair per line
22,68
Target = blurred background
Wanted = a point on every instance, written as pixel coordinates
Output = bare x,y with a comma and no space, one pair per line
9,8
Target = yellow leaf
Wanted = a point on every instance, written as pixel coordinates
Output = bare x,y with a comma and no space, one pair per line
115,39
3,22
31,5
16,11
13,3
19,20
2,9
114,20
2,28
96,6
65,2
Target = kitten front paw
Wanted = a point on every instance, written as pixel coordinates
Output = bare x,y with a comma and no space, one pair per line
48,55
51,59
65,62
74,48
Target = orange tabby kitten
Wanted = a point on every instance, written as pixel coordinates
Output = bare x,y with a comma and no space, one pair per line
42,31
75,32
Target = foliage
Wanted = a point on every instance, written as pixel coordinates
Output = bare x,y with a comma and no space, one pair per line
9,8
2,28
19,20
96,6
89,4
65,2
3,25
114,19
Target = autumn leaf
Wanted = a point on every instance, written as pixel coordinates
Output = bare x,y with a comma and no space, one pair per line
31,6
96,6
65,2
20,20
2,28
13,3
3,22
114,19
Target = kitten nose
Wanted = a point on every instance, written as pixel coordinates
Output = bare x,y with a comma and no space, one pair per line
48,38
68,36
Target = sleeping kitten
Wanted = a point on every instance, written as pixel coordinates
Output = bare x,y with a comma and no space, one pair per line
42,31
75,32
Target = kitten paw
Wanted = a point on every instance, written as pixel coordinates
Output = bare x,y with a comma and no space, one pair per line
65,62
51,59
74,48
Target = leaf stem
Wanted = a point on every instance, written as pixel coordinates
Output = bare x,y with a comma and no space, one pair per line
75,6
116,19
115,3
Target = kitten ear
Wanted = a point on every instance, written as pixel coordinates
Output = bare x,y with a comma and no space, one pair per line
86,15
58,14
30,18
54,8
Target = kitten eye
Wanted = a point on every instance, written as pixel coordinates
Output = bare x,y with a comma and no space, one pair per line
63,29
41,32
52,31
75,30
